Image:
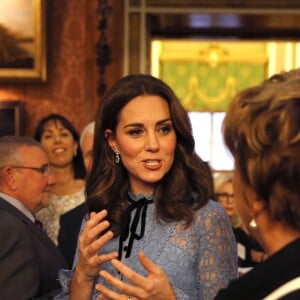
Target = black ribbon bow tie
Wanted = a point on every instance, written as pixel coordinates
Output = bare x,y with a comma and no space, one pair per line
141,210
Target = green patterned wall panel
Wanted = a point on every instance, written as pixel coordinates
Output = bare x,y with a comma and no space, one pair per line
201,87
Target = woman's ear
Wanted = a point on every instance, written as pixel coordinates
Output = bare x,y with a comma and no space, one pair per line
75,148
255,203
111,139
258,205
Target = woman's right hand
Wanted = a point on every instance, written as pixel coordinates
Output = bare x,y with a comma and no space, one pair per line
91,240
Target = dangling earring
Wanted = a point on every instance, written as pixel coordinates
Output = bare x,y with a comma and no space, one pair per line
252,223
75,152
117,157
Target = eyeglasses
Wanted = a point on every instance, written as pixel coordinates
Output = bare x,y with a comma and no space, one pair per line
45,169
224,197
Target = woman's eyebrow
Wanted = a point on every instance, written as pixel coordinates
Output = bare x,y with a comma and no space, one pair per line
164,121
142,125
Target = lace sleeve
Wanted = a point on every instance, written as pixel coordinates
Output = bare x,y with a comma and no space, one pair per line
180,295
217,260
64,277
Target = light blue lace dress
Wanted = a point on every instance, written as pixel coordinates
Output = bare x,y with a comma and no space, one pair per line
198,260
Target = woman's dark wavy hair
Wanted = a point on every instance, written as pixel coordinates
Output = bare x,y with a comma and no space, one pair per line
185,188
78,165
262,131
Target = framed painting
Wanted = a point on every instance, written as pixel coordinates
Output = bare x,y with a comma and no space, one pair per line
11,117
22,40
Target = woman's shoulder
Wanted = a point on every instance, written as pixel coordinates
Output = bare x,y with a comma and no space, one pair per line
211,208
68,188
76,191
75,197
212,215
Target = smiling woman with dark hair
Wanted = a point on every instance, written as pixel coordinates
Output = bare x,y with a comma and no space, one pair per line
60,140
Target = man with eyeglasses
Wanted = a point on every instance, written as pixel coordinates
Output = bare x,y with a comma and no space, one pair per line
29,261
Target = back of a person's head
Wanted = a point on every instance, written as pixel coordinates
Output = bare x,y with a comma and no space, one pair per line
262,130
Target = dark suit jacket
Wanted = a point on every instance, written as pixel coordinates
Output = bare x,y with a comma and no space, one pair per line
70,223
248,244
29,261
267,276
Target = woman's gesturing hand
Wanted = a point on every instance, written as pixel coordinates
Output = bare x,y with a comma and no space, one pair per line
156,286
91,240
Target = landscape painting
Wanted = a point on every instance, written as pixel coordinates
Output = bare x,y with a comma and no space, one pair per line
22,40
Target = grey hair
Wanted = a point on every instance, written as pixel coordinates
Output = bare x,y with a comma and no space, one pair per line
221,178
9,146
89,129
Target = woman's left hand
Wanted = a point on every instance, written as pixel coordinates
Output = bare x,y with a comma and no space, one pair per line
156,286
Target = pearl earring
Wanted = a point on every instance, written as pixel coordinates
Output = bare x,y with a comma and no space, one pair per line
252,223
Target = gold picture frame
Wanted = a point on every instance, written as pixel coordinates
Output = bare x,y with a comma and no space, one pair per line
23,46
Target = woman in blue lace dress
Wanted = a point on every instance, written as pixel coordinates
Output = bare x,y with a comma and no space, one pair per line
152,231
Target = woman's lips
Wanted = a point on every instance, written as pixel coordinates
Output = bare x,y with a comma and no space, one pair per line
152,164
59,150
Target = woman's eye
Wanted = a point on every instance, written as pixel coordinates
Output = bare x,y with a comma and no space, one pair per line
47,136
165,128
65,134
136,131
